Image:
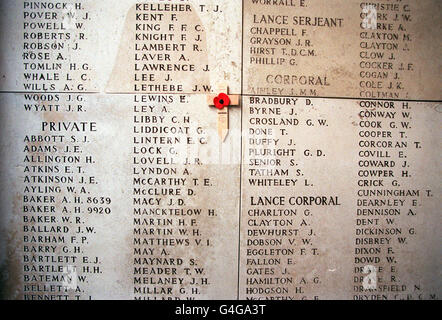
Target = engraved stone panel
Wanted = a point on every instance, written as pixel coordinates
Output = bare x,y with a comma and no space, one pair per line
118,181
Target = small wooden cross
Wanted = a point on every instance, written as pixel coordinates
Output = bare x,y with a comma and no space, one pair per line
223,113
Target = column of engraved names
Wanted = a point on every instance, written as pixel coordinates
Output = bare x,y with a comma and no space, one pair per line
166,35
281,203
390,200
387,194
169,237
59,193
283,47
53,34
385,44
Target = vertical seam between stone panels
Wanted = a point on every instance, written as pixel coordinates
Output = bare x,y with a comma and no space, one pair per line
241,146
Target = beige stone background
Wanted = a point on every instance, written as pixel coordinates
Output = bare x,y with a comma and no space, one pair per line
111,146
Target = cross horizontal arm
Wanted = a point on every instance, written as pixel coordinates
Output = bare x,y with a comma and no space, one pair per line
234,99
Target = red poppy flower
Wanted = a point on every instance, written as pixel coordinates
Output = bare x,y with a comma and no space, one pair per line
221,101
